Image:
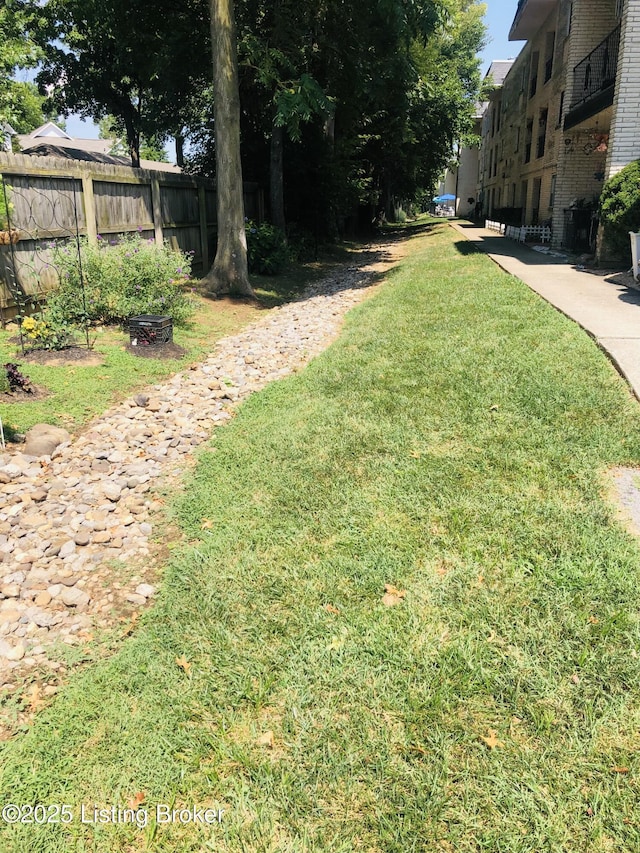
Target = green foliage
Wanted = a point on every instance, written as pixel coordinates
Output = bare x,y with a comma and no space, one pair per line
28,108
138,61
113,129
5,206
17,50
373,94
121,279
267,251
298,103
47,330
620,210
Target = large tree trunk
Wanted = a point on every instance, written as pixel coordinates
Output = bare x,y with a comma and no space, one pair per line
133,140
229,273
179,150
276,177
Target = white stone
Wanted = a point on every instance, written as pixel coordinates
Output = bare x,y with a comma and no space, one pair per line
74,597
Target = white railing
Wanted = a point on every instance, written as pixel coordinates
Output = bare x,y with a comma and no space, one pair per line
523,234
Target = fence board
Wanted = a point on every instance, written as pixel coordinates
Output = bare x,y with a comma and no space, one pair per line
179,206
122,207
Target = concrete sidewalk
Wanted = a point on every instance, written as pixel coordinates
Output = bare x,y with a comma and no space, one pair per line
598,301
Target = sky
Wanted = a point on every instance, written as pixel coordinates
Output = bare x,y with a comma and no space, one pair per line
498,22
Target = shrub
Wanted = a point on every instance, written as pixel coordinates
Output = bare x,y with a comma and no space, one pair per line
267,252
16,379
620,211
121,279
50,332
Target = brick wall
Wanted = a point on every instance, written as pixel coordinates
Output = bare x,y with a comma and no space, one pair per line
624,141
581,169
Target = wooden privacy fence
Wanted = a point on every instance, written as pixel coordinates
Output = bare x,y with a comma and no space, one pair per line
54,199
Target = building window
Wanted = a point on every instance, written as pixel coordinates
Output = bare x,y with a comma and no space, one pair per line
528,140
560,109
517,145
535,61
542,132
548,60
552,193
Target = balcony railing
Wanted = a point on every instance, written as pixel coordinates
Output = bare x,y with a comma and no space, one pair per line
597,71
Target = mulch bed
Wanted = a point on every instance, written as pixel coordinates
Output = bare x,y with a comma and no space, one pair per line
78,356
169,350
38,393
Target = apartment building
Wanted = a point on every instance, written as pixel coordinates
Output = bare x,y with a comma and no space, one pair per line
563,117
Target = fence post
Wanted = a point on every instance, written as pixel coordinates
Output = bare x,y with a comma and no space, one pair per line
157,210
204,239
89,208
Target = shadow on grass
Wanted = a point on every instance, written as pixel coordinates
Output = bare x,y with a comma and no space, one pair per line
465,247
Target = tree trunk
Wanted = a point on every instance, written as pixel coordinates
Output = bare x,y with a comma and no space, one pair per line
229,273
276,177
180,150
133,141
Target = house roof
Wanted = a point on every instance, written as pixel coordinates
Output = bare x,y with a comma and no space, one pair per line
49,140
498,70
49,129
48,149
50,133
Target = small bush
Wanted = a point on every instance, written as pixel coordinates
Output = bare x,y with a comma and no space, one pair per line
16,380
121,280
620,211
46,332
267,252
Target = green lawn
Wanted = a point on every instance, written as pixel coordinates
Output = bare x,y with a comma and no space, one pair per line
452,443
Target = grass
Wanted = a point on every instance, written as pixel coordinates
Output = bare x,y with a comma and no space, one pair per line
451,443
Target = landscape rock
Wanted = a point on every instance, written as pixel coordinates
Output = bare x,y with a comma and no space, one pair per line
74,597
43,439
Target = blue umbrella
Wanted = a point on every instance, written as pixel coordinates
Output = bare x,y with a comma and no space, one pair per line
447,197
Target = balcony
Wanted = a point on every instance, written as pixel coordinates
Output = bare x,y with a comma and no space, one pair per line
530,16
594,81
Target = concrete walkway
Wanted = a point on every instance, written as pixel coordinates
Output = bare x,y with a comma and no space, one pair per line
598,301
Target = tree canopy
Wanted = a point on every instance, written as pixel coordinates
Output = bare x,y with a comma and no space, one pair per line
349,108
17,50
127,58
